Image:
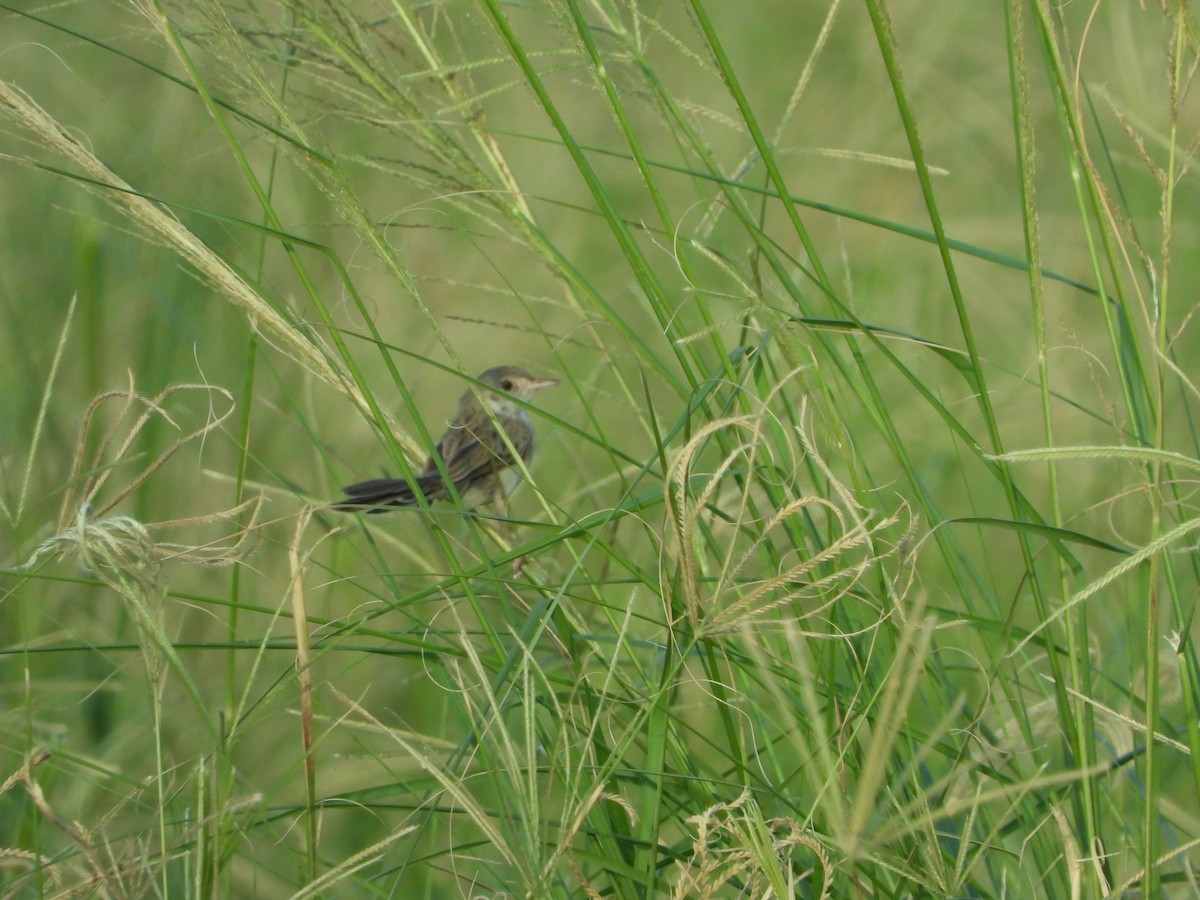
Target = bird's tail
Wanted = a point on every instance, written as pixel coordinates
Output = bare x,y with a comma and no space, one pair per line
380,493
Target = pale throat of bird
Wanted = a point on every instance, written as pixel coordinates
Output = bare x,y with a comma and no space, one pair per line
503,407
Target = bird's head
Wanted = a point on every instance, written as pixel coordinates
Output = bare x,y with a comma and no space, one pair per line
513,381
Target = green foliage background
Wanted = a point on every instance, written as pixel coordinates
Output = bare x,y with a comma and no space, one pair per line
795,614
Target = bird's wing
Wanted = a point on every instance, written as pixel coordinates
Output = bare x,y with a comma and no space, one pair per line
475,450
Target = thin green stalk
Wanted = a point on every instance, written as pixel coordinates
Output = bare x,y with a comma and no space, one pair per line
1077,656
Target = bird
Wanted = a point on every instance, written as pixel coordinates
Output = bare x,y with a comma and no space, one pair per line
473,453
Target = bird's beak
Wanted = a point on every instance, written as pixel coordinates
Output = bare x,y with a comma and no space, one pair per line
539,383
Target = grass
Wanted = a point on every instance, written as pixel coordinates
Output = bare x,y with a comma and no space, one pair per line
857,549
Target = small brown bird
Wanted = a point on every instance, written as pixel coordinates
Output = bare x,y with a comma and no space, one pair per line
472,451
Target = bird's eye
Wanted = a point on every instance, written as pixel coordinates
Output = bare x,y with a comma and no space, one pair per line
506,385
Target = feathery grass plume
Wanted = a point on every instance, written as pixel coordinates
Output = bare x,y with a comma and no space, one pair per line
724,594
119,550
88,476
25,860
737,847
162,226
